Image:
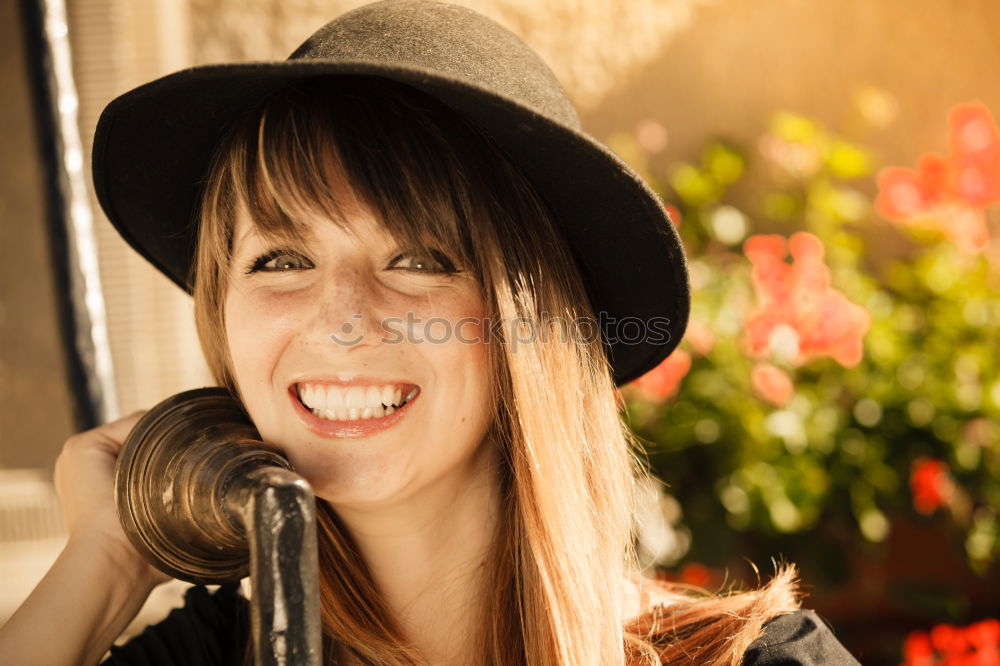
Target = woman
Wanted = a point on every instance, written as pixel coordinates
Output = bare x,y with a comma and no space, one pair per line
400,232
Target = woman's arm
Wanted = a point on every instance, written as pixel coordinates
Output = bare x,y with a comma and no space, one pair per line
98,583
78,609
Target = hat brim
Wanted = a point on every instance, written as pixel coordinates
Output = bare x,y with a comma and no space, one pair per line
149,141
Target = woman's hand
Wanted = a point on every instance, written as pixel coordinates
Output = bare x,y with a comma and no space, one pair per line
99,582
84,480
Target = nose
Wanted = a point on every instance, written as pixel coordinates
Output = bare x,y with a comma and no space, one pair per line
348,307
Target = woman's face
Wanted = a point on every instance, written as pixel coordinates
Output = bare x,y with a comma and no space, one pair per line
356,323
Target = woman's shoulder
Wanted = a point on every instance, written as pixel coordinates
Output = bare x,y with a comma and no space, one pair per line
800,637
791,638
209,629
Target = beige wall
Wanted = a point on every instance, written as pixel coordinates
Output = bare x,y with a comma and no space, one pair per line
739,60
35,408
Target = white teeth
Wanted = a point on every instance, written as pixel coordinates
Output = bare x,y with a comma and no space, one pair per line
352,403
334,400
355,398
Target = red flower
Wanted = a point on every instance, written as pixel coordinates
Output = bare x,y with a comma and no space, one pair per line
663,381
945,645
930,485
674,213
772,384
693,573
917,650
696,574
800,315
950,193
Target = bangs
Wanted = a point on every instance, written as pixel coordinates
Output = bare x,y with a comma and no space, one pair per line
319,149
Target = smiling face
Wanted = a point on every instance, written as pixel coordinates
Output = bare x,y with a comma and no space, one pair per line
336,321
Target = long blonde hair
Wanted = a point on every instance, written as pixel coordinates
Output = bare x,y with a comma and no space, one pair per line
564,545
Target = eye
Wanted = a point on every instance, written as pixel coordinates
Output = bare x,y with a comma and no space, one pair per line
426,262
279,261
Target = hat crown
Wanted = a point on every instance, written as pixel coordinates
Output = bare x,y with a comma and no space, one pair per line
450,40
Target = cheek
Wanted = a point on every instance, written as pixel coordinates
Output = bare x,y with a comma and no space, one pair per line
256,330
471,331
469,359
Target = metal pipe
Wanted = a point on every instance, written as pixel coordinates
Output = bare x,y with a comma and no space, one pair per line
72,236
283,564
204,500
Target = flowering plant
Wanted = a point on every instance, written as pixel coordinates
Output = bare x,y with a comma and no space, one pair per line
839,371
944,645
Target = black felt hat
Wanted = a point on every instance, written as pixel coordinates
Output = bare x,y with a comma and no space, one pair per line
152,146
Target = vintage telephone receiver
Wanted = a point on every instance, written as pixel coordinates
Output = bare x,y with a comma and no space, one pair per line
203,499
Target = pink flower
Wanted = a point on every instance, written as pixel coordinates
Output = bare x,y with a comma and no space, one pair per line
800,315
930,485
772,384
950,193
975,154
651,136
663,381
981,431
799,159
905,194
700,336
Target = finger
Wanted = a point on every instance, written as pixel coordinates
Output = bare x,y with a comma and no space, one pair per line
115,432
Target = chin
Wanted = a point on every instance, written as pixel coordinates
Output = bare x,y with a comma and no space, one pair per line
351,480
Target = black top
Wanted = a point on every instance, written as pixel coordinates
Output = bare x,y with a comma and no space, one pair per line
212,629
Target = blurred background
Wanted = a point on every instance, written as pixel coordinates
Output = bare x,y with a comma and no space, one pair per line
834,170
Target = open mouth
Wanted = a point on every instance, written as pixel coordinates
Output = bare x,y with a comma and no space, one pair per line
354,403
